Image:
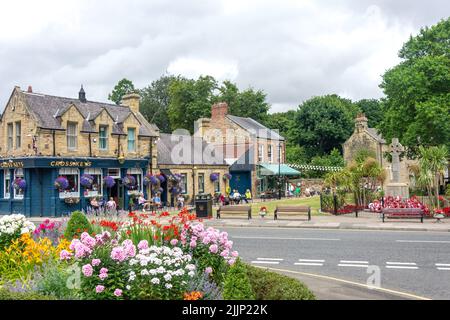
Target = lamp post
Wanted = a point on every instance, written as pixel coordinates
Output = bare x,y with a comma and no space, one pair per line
279,171
193,185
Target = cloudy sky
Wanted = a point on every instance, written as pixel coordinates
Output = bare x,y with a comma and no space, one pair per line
292,49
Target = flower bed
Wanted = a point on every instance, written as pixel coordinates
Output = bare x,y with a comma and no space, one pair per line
397,202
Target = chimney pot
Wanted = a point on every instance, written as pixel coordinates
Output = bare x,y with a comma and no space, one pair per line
82,95
219,110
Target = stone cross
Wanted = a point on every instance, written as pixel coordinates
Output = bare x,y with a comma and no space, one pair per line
396,149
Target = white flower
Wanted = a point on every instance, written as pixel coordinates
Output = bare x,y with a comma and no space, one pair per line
155,281
167,277
144,272
191,273
168,286
190,267
128,287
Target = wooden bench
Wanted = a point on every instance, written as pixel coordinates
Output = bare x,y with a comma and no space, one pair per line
292,210
402,213
234,210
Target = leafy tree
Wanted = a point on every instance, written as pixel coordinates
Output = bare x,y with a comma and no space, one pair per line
247,103
155,100
295,154
190,100
417,104
123,87
323,123
284,122
372,109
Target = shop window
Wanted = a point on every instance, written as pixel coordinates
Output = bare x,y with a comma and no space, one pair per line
217,184
270,153
131,139
71,136
73,177
7,183
18,193
96,188
183,183
18,135
137,174
10,136
201,183
103,138
114,172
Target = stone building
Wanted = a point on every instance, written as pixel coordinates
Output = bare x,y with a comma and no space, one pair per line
245,143
44,137
200,168
369,139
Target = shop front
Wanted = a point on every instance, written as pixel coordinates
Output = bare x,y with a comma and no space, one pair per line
47,186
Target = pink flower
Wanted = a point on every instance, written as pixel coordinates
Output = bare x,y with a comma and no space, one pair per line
208,270
87,270
99,288
173,242
213,248
231,261
103,270
143,244
117,292
83,236
64,255
224,253
193,244
103,276
96,262
234,254
118,254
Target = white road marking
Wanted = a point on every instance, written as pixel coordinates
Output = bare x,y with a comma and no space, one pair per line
270,259
348,261
280,238
442,264
423,241
440,268
402,267
403,263
308,264
311,260
265,262
353,265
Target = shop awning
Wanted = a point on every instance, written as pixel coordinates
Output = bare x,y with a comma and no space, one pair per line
269,169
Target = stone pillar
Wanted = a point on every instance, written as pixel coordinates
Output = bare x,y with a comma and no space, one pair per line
395,187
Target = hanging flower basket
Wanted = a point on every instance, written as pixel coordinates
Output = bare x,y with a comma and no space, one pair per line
61,183
227,176
19,184
109,182
161,178
86,180
214,177
176,178
129,182
150,179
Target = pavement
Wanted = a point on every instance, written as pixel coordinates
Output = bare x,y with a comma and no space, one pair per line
364,221
353,264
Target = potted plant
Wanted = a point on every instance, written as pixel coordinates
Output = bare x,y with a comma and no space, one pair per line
86,180
19,184
109,181
61,183
262,212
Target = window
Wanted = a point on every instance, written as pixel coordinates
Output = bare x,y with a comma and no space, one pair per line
270,153
260,152
103,138
10,136
73,177
18,135
18,194
131,140
201,183
183,183
71,136
114,172
7,183
96,188
137,174
217,184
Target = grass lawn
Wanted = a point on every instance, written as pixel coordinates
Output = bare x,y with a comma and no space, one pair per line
313,202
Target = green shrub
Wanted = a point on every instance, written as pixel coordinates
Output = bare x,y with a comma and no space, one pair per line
53,282
237,285
78,223
273,286
9,295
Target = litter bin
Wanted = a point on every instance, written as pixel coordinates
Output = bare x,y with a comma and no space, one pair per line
203,205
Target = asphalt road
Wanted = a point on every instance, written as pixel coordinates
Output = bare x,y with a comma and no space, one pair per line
417,263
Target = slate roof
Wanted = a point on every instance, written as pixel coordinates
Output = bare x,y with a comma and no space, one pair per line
374,134
48,109
257,128
167,144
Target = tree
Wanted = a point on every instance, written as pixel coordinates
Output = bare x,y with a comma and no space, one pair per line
295,154
155,100
372,109
190,100
123,87
323,123
248,103
284,122
417,104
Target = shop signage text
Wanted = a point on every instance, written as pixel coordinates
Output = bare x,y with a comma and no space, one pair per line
70,164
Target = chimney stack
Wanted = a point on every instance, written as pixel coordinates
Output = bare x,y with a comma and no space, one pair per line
131,101
30,89
219,110
82,95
